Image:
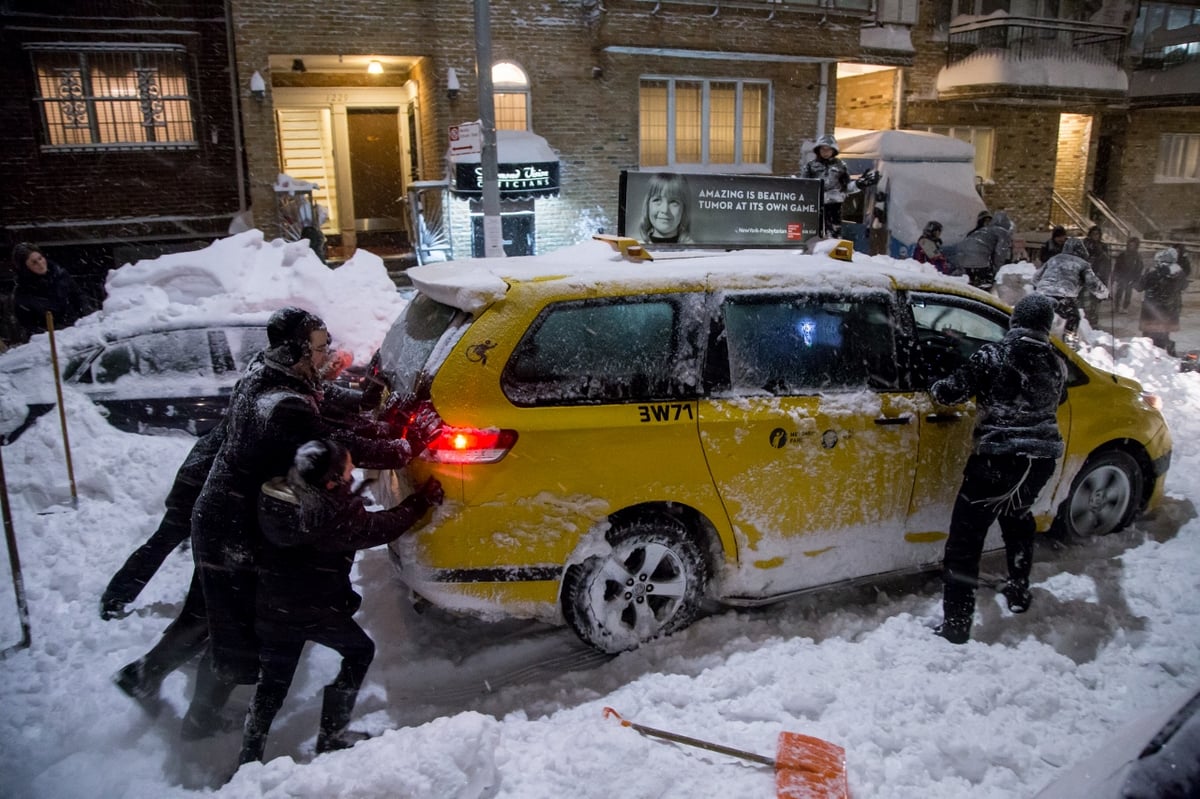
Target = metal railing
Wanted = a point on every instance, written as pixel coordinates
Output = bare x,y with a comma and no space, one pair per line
1028,38
715,6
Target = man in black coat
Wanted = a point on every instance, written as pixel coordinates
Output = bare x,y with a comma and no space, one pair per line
272,411
313,525
1018,384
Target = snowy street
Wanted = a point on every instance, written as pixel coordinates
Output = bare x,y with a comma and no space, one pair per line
469,709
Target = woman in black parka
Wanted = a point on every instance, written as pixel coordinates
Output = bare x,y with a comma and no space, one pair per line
42,286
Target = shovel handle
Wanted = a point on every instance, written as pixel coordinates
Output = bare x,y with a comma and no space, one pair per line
683,739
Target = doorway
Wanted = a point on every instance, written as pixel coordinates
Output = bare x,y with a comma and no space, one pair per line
376,168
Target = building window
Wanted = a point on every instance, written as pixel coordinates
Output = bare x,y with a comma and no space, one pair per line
510,91
984,140
92,97
720,124
1178,158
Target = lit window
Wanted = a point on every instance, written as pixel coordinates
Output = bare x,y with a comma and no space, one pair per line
694,122
510,92
106,97
1178,158
982,138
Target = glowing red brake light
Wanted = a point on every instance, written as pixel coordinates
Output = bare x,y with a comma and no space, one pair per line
466,445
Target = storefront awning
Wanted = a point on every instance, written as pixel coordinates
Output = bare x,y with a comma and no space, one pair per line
528,168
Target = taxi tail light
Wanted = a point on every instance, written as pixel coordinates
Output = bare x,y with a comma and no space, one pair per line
1153,400
468,445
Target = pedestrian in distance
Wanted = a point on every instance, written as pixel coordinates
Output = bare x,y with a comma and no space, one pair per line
836,184
1063,279
313,525
929,249
1053,245
1127,268
1162,301
271,412
1183,259
665,215
985,249
41,286
1018,384
1101,264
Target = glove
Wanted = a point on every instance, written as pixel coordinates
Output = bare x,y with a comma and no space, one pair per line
432,492
423,427
373,383
868,178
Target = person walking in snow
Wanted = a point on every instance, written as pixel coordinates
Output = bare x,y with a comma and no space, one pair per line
1101,264
1063,278
1162,302
929,249
271,412
985,249
313,525
1018,384
1126,270
826,167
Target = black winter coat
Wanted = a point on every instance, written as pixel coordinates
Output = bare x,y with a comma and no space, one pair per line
310,538
272,412
55,292
1018,384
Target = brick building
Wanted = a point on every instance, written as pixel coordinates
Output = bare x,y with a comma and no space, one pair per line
118,132
722,86
1080,110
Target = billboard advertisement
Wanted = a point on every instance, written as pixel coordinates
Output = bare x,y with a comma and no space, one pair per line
676,209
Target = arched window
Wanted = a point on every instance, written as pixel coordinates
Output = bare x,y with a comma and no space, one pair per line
510,88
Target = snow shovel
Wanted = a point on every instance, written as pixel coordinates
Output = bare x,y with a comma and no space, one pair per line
805,767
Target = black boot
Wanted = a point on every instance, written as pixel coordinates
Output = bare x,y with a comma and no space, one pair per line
254,739
958,613
1016,594
336,707
203,717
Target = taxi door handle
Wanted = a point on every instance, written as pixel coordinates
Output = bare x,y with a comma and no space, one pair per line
891,420
943,418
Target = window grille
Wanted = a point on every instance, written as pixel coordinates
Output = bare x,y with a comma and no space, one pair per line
104,98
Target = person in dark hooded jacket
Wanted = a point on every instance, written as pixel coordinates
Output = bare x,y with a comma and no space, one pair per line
1018,384
1163,284
985,249
271,412
42,286
313,525
1064,277
835,181
929,249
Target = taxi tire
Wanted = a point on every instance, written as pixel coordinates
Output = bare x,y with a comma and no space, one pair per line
602,609
1105,496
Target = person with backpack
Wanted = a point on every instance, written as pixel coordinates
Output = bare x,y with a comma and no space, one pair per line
313,525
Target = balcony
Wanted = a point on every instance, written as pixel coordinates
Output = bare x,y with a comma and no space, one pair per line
1028,60
1167,70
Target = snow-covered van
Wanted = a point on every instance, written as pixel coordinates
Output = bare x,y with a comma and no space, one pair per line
925,176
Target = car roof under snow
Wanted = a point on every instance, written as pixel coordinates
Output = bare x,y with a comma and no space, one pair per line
473,284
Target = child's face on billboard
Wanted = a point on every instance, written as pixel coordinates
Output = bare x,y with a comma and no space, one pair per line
665,215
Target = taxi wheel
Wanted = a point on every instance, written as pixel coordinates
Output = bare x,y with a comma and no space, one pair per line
1104,498
650,584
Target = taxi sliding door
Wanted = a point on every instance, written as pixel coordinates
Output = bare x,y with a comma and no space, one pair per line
811,445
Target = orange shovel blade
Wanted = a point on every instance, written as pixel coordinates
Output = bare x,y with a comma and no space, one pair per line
809,768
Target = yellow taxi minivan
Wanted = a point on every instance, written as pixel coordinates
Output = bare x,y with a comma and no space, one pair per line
626,440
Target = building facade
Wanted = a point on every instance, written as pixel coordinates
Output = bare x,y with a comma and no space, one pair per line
118,129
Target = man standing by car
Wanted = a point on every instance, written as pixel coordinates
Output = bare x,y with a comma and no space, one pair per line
1018,384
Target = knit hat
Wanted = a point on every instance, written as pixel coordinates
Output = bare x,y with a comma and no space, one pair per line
1166,257
1033,312
319,462
1076,247
982,216
288,330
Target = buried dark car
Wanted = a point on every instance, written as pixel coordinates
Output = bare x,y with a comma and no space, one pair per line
150,378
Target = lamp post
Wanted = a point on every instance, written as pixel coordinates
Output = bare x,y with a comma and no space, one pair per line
493,232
